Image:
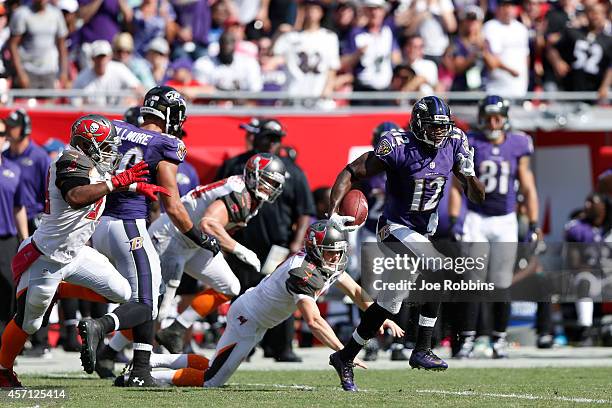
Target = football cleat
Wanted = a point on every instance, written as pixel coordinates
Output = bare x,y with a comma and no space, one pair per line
71,343
91,333
141,379
545,341
172,337
427,360
345,372
500,348
104,368
8,379
466,347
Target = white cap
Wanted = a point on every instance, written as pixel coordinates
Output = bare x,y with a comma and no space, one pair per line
374,3
70,6
100,47
160,45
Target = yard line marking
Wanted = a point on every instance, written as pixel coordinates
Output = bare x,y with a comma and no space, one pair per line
516,396
292,386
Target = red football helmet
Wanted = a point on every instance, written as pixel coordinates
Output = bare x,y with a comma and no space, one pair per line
264,176
327,246
96,137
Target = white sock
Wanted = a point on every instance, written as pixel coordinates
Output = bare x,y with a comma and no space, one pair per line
427,321
118,342
584,310
174,361
187,318
163,377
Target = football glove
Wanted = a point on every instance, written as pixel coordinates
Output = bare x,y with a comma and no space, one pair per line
148,190
126,178
247,256
339,221
466,163
532,234
203,240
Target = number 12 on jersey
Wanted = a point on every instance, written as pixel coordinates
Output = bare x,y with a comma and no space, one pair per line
424,188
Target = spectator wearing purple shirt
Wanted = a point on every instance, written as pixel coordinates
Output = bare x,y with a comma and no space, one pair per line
33,162
193,18
13,225
102,19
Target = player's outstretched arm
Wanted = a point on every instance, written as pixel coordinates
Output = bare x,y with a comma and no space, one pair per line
366,165
319,326
363,300
81,196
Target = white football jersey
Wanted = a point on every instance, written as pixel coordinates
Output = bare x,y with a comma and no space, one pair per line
231,190
309,56
271,302
63,230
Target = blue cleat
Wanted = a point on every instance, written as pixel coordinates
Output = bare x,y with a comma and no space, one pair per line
427,360
345,372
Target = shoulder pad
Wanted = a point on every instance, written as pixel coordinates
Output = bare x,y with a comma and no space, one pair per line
236,183
457,133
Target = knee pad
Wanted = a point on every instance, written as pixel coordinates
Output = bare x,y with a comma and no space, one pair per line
121,291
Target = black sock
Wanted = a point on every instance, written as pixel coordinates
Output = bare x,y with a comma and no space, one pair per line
144,333
107,322
132,314
141,361
107,353
429,310
501,316
372,319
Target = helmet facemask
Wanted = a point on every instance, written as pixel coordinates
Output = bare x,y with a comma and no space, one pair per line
265,185
436,132
105,155
333,258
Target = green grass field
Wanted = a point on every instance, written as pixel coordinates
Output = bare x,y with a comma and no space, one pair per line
389,388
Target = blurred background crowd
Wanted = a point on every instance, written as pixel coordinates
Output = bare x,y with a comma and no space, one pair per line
314,49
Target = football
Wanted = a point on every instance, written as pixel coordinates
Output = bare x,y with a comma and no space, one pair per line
355,204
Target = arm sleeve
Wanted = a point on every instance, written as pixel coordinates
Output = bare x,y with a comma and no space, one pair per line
62,29
334,55
526,146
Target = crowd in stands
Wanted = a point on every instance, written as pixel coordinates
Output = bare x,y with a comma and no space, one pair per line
308,48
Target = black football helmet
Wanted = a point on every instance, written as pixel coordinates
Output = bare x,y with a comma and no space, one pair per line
327,246
381,129
264,176
166,103
431,121
133,116
493,105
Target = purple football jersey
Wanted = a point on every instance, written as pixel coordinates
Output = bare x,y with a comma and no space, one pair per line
416,176
374,190
137,145
497,166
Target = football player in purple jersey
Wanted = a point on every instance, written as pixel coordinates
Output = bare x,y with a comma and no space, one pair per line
122,234
418,164
501,158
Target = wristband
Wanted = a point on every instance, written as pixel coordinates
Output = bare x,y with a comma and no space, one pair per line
110,185
533,225
132,187
194,234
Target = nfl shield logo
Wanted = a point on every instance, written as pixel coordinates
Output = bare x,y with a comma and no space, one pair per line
432,165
